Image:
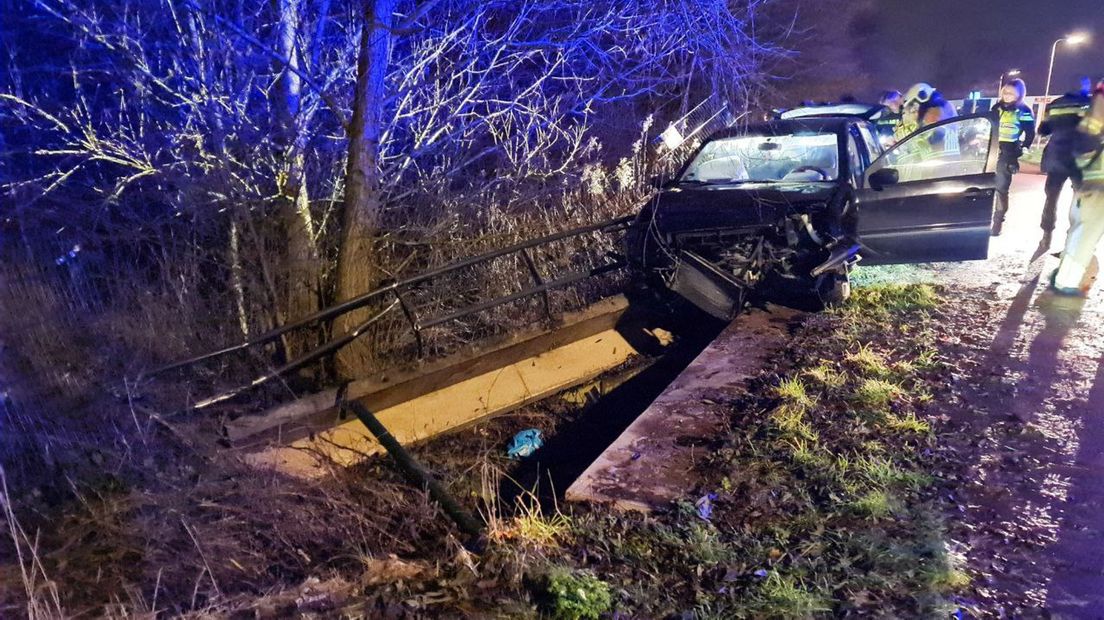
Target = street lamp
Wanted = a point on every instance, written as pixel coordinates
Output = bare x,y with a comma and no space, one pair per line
1073,40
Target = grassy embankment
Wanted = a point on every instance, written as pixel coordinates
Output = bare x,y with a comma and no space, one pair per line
825,499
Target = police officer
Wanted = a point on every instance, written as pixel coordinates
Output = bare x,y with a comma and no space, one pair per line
891,101
1087,216
1017,132
1063,116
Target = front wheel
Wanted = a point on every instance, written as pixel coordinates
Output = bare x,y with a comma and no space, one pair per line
832,289
808,294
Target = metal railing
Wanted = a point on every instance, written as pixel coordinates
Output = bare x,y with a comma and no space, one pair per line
398,292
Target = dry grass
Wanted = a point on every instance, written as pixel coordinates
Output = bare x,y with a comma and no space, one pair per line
525,523
42,597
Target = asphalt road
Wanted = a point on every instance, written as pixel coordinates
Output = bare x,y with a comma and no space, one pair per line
1058,345
1036,498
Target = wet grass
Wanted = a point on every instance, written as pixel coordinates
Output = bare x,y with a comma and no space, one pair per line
907,423
785,597
793,392
868,362
827,375
823,504
875,505
877,394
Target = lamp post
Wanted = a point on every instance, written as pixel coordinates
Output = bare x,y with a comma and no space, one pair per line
1072,40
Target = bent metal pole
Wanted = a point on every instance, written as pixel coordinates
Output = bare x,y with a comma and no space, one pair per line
413,471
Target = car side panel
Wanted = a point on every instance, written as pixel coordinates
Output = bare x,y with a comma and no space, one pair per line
929,221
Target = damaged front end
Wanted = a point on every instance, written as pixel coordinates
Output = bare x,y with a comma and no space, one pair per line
790,252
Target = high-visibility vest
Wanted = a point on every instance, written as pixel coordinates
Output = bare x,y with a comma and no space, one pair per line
1012,122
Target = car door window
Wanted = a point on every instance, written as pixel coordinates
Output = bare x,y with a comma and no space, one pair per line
855,161
873,145
956,148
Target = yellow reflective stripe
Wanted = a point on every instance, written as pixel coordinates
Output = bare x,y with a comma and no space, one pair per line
1092,126
1067,111
1094,173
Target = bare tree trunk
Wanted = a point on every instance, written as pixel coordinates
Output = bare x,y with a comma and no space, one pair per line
236,282
302,264
357,269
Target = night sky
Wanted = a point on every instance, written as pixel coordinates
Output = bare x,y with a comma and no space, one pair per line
957,45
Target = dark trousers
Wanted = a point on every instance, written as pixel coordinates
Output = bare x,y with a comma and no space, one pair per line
1008,164
1055,181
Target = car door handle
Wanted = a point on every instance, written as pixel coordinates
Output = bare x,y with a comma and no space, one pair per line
973,191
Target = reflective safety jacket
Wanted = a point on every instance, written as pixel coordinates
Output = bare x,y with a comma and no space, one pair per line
1065,113
905,128
1092,128
1016,121
1062,118
1093,171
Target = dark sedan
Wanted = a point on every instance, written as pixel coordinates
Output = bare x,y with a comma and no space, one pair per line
783,210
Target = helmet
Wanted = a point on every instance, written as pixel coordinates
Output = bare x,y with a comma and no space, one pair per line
921,93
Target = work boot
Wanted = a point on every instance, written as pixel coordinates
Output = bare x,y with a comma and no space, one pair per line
1063,291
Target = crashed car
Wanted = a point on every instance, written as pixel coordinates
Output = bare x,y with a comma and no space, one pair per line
781,211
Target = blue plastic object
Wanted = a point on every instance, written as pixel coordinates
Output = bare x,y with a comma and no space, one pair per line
524,444
705,506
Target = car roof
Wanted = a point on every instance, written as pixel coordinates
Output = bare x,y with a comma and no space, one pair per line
822,124
862,110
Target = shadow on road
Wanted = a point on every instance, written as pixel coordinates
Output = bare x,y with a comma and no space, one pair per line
1077,588
1009,328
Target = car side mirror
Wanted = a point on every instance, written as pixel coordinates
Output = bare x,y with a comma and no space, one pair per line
883,178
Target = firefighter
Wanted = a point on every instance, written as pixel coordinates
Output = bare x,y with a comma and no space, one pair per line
1017,132
932,107
1059,157
909,121
890,117
1087,216
924,105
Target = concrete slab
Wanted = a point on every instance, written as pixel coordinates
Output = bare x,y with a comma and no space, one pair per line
316,413
491,393
651,463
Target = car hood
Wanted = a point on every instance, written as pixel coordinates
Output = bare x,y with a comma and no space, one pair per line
747,205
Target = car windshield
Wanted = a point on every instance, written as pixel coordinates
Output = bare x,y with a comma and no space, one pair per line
796,157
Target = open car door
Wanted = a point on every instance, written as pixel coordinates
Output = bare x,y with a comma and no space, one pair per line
930,197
